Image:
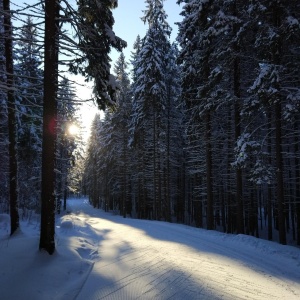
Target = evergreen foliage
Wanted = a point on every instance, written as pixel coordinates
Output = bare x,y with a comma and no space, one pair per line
95,39
29,82
204,133
212,141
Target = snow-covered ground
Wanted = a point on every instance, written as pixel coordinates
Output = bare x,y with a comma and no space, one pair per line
103,256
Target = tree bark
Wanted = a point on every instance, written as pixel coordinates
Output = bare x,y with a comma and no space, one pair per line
277,53
47,241
269,200
154,168
239,178
297,185
210,204
237,121
279,175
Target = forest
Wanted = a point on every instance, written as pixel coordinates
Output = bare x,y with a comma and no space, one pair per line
203,131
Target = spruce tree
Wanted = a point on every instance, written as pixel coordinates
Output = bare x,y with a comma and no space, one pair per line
66,141
196,38
150,96
29,103
277,83
120,120
95,38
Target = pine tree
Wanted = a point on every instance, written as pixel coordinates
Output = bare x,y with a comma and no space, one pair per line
200,75
150,98
137,178
278,81
173,158
92,169
134,58
96,37
29,104
66,141
120,121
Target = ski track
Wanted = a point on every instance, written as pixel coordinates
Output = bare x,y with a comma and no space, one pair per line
130,264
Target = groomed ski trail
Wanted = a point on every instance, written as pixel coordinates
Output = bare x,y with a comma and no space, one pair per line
141,259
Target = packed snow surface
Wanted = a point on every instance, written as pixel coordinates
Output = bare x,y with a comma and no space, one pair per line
104,256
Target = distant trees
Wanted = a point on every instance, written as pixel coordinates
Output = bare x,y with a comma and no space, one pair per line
93,174
149,103
199,80
206,133
139,139
213,141
235,45
67,140
278,88
31,97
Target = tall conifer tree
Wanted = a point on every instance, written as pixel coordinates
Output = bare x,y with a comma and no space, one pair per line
150,96
29,96
13,168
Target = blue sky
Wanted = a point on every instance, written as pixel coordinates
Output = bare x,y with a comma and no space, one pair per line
128,23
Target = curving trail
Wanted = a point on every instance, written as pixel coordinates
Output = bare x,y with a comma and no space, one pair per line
138,259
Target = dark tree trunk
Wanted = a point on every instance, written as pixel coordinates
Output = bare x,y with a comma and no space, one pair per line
297,184
237,119
168,172
154,169
125,201
279,175
210,207
277,52
269,203
49,126
228,194
13,168
65,199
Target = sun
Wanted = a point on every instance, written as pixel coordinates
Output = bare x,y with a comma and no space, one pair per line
73,129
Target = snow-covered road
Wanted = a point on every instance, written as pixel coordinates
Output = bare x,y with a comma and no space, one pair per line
104,256
139,259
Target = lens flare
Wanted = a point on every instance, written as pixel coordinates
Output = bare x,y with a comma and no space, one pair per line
73,129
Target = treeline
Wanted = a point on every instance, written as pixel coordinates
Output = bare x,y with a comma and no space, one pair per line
207,131
28,120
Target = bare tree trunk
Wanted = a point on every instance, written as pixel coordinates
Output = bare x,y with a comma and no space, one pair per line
168,172
13,168
49,126
210,207
124,179
277,52
237,119
297,184
239,183
269,203
154,168
279,175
